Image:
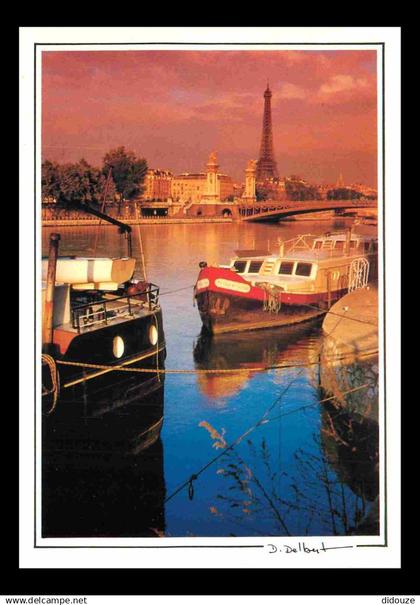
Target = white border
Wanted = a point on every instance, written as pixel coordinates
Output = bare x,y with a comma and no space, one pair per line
219,558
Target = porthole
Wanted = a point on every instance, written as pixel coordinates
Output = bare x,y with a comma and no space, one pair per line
153,335
118,346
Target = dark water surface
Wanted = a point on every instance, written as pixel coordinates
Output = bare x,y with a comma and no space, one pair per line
288,475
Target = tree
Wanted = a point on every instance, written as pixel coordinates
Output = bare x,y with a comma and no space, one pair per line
260,194
297,190
80,182
128,172
343,193
50,180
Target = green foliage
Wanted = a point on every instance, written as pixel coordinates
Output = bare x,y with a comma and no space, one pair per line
80,183
128,172
298,191
343,193
74,183
50,180
260,194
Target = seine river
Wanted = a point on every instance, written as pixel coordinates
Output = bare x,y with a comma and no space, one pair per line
290,474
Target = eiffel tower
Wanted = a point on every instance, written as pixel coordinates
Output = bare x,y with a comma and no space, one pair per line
266,165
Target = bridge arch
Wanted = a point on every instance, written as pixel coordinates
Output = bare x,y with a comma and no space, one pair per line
273,211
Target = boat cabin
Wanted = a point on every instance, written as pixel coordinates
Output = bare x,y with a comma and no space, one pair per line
326,264
91,292
336,243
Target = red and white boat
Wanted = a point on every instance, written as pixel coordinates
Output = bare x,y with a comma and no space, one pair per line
263,290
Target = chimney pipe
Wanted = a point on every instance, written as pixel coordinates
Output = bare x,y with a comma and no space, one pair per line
48,311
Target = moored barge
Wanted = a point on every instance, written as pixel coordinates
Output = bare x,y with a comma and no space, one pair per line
264,290
97,318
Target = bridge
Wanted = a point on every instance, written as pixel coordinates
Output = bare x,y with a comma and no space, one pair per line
274,211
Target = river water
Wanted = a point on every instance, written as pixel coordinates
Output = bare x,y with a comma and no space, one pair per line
289,474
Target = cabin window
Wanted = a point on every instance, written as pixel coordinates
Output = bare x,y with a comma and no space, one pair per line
286,268
318,244
366,246
254,266
353,243
339,245
239,266
303,269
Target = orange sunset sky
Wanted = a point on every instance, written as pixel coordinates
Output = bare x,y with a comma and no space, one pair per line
175,107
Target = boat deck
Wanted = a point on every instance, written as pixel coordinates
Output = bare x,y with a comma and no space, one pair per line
117,312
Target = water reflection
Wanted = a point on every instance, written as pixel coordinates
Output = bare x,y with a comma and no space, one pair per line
102,461
104,496
322,478
117,416
330,489
294,474
351,444
291,345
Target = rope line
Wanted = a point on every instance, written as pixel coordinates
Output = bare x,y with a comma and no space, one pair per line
216,371
311,405
176,290
329,312
55,380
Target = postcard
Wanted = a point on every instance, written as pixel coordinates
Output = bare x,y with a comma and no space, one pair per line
210,223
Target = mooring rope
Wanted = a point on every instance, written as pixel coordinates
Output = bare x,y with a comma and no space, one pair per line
334,359
55,381
329,312
177,290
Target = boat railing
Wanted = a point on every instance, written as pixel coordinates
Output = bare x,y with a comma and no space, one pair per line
299,242
106,310
306,242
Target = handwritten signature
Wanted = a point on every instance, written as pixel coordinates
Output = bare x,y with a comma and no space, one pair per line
301,547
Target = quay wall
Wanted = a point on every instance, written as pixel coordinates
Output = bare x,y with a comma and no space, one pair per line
141,221
163,214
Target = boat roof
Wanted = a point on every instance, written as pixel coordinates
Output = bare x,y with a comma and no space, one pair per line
343,236
307,253
250,252
303,255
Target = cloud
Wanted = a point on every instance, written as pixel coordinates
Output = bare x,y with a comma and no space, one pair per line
343,82
291,91
174,106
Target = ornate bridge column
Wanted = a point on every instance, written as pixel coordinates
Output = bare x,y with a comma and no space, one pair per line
212,191
249,195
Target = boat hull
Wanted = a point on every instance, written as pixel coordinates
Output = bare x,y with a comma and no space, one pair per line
99,409
228,303
124,421
227,313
